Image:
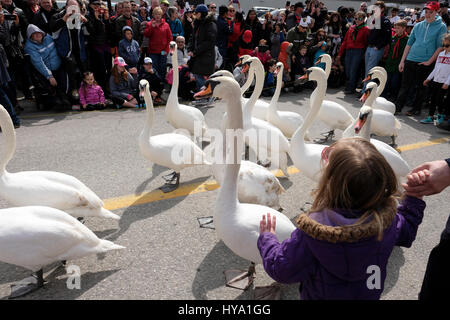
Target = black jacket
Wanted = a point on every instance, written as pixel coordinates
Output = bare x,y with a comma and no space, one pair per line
42,19
380,37
100,30
203,42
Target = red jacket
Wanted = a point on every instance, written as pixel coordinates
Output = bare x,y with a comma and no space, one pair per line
159,37
359,43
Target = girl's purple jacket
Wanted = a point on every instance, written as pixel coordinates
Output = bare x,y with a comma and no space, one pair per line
339,270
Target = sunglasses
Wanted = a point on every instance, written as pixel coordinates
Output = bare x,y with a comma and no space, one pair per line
446,45
213,7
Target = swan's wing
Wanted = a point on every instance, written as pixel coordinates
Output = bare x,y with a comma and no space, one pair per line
398,164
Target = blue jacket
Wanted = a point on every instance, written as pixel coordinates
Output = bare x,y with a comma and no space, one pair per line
425,38
44,56
129,50
223,31
176,28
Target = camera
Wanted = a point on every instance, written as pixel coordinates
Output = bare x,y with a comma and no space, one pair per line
10,17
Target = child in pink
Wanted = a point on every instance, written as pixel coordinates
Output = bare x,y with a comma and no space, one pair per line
91,94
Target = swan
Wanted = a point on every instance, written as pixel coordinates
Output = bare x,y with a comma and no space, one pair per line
384,123
35,236
237,224
334,115
46,188
288,122
361,127
380,103
172,150
262,131
181,116
307,157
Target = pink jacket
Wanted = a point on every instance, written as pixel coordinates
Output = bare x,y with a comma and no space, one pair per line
91,94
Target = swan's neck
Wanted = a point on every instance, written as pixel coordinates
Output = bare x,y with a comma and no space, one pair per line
176,78
146,132
274,101
371,99
365,130
259,73
9,138
327,67
315,101
380,89
249,81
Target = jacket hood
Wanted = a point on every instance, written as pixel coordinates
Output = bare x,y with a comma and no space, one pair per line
284,46
127,28
247,36
32,29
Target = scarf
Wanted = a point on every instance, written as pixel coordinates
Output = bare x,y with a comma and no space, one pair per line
397,45
355,31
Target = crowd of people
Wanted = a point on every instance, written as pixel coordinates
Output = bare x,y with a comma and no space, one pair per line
85,56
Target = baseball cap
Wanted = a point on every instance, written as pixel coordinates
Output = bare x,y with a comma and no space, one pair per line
165,2
120,62
432,5
148,60
201,8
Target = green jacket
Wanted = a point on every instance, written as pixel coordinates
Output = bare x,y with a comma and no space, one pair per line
393,59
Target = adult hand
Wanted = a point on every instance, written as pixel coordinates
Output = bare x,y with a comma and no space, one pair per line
83,18
154,94
16,20
67,15
426,63
191,54
426,82
269,225
53,82
133,70
445,86
401,66
437,174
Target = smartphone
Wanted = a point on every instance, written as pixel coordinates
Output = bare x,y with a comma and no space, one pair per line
10,17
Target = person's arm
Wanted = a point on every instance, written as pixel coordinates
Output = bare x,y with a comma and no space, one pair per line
409,217
433,57
101,94
38,62
437,178
82,95
169,38
401,65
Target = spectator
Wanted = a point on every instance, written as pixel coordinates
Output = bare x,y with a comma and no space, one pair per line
322,50
267,27
123,85
153,5
30,9
4,81
224,30
444,13
129,49
436,177
439,81
231,12
276,38
118,11
300,63
101,31
202,49
244,44
333,28
297,35
423,47
164,4
91,94
187,24
252,23
134,8
318,15
319,37
42,18
159,36
212,8
392,60
238,30
262,52
148,73
174,23
180,5
363,7
394,16
270,78
143,15
354,45
293,19
379,38
44,58
285,58
345,12
126,19
70,44
182,55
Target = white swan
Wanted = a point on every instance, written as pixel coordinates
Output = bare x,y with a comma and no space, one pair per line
384,123
307,157
334,115
46,188
179,115
288,122
171,150
380,103
237,224
35,236
362,127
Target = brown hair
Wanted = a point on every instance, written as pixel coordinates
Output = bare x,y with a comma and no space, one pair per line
116,74
380,4
401,23
357,176
84,84
446,38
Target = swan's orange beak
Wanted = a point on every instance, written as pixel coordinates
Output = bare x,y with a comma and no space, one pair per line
360,123
303,77
318,61
245,68
206,92
369,77
364,97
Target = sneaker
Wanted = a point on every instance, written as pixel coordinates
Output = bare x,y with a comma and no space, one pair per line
445,125
76,107
440,119
427,120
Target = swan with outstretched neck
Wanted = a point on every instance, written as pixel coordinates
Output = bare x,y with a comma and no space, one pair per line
44,188
237,224
171,150
181,116
35,236
380,103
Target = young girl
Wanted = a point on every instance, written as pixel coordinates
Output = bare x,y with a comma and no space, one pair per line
341,247
123,85
91,94
439,86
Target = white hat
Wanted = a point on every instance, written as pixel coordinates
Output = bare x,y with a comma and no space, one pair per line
148,60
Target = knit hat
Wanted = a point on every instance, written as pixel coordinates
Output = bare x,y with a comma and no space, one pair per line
120,62
247,36
201,8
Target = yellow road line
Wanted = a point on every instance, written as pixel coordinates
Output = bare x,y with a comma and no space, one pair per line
186,189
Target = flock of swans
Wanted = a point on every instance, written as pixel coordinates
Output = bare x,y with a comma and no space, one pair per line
42,227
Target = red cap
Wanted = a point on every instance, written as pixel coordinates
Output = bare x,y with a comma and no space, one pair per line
247,36
433,6
120,61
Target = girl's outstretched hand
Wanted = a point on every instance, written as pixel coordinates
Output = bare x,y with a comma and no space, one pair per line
267,225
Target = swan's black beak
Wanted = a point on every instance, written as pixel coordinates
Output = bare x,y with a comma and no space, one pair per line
360,123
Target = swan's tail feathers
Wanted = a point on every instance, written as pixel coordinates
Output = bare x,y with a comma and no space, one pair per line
106,245
108,214
398,124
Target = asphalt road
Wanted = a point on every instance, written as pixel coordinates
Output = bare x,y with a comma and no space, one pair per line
167,255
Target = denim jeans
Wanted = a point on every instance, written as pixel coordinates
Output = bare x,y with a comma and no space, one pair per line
160,64
4,100
373,56
353,59
394,80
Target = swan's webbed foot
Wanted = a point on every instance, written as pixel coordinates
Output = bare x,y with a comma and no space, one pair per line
27,285
206,222
327,136
240,279
170,177
272,292
266,163
169,187
393,144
